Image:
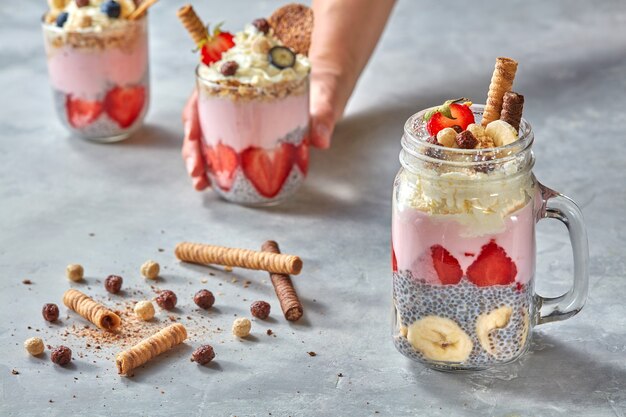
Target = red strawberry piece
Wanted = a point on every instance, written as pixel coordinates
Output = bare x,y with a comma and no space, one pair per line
124,104
302,156
448,268
394,261
222,161
215,45
492,267
450,114
82,113
267,170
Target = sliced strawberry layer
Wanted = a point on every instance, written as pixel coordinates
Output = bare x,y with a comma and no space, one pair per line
222,161
492,267
302,156
394,261
82,113
124,104
462,117
267,170
448,268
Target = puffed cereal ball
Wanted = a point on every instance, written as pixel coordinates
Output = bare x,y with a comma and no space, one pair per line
34,346
241,327
150,269
74,272
144,310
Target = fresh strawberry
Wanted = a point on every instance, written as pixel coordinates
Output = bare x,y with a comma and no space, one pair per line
222,161
124,104
82,113
267,170
394,261
492,267
302,156
449,114
217,43
446,265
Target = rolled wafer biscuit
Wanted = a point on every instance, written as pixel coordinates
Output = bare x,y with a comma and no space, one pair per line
501,82
141,9
91,310
244,258
286,293
148,348
512,108
193,24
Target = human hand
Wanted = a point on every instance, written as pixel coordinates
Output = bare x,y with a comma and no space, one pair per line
192,144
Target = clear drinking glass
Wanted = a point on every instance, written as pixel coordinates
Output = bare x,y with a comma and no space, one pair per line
100,79
463,251
255,139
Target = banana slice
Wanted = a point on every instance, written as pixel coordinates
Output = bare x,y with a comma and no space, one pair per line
447,137
440,339
501,132
57,4
128,6
488,322
402,329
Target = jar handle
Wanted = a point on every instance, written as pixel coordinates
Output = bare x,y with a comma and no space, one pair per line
557,206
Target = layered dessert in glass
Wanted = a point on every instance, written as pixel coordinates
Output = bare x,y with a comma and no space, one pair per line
253,108
97,53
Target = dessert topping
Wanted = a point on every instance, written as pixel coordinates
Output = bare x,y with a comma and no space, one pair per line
216,44
229,68
111,8
261,24
282,57
466,140
501,132
61,19
450,113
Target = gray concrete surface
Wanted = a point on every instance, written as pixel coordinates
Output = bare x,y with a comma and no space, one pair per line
135,198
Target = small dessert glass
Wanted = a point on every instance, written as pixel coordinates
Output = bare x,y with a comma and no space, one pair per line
100,79
463,251
255,139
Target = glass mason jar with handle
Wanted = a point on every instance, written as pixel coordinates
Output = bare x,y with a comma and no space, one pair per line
463,251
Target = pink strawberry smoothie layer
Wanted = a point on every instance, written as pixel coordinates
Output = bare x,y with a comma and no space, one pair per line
414,232
88,73
244,123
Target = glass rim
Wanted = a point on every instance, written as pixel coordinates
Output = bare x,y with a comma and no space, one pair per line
215,84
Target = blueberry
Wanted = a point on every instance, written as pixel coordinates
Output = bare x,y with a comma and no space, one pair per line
111,8
62,18
282,57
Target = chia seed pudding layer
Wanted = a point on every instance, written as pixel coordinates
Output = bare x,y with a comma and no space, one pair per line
104,126
463,303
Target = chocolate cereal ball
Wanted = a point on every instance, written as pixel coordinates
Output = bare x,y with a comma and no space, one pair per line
260,309
113,284
166,300
203,355
50,312
61,355
204,299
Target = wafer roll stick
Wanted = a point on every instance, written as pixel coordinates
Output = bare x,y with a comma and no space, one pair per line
148,348
141,9
193,24
286,293
244,258
91,310
512,108
501,82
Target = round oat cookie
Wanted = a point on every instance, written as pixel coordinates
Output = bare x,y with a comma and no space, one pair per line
293,24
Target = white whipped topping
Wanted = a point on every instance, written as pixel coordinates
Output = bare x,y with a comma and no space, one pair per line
99,20
254,66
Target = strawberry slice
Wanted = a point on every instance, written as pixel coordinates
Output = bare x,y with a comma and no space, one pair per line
449,114
216,44
447,267
222,161
124,104
394,261
302,156
267,170
82,113
492,267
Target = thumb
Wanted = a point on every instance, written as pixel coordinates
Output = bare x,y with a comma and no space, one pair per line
324,111
322,126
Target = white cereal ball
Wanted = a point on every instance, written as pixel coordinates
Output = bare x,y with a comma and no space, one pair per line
144,310
74,272
34,346
241,327
150,269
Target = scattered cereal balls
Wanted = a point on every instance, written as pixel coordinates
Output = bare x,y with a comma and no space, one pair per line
241,327
113,284
61,355
203,355
204,299
167,300
34,346
74,272
50,312
260,309
150,269
144,310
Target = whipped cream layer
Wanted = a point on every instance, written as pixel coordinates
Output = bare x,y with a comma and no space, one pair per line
478,201
250,53
98,20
